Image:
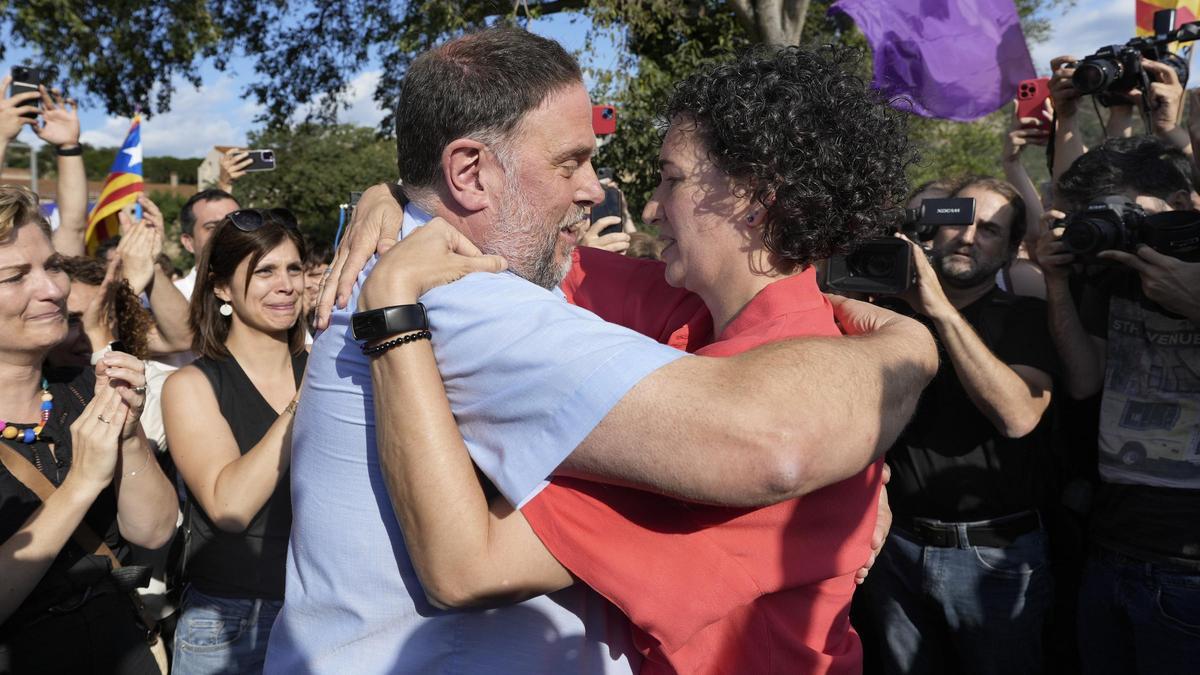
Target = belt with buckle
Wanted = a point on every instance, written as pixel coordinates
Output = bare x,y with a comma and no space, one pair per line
995,533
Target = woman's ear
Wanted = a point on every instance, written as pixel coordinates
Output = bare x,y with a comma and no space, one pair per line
222,292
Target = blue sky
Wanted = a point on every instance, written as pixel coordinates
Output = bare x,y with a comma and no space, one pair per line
218,114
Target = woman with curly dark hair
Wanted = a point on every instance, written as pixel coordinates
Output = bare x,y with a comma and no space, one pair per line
769,164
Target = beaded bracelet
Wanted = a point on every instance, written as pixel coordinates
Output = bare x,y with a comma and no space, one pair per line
402,340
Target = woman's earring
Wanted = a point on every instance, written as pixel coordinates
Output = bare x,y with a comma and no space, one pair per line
226,309
750,218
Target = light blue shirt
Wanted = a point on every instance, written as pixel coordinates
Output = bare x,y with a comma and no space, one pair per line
528,376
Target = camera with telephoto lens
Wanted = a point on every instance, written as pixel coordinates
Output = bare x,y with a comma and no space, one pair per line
885,266
1115,70
1117,224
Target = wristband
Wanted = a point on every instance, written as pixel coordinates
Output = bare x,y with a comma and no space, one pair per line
69,152
380,323
402,340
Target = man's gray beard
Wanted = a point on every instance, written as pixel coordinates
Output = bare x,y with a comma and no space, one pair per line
522,239
960,279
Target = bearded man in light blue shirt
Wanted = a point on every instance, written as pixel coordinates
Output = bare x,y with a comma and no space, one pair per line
494,136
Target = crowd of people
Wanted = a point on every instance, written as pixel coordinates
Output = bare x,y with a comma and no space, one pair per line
490,435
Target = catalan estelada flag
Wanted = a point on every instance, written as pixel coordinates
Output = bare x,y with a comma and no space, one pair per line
120,189
1186,11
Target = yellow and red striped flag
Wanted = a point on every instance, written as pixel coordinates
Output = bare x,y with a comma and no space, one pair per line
120,189
1186,12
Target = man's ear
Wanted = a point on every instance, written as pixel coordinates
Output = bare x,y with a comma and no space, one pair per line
188,242
464,163
1181,200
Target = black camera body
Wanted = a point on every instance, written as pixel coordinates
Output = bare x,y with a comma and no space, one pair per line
1113,71
885,266
1117,224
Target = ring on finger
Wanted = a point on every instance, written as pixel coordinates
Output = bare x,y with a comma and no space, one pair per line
102,418
140,389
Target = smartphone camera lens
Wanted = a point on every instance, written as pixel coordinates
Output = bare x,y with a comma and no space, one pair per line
268,156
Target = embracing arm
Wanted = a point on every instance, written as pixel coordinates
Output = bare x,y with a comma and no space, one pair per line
231,487
770,424
465,550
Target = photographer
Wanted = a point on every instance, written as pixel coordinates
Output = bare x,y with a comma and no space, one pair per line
1164,103
1136,337
971,469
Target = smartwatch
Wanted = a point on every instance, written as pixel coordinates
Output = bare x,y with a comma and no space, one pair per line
380,323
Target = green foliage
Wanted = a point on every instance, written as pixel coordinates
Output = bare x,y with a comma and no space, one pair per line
159,169
668,46
317,168
305,53
98,161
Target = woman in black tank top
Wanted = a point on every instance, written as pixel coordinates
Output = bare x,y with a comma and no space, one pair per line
228,419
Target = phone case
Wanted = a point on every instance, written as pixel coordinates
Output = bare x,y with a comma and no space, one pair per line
1031,101
261,160
604,120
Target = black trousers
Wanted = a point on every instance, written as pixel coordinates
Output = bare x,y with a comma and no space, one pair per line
103,636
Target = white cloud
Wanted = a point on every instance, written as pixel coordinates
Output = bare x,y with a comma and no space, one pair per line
358,104
213,114
1083,29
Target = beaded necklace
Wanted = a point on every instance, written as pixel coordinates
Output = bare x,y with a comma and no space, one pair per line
30,435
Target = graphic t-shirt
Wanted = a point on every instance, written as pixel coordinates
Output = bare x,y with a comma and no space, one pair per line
1149,448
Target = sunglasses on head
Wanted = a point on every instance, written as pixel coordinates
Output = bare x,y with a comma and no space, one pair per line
249,220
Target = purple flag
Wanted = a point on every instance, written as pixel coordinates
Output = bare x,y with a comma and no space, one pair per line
953,59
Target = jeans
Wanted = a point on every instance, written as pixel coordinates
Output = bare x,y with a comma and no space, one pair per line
222,635
1138,617
971,609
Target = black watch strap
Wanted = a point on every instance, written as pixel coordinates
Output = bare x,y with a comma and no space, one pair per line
75,151
379,323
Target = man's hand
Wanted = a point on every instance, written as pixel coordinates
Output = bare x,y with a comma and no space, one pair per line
883,525
926,297
1050,254
233,167
1168,281
1019,134
1062,90
141,242
1193,114
373,229
616,242
60,120
434,255
12,111
1166,96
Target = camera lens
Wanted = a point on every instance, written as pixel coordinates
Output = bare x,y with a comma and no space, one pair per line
871,264
268,156
1089,236
1095,76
